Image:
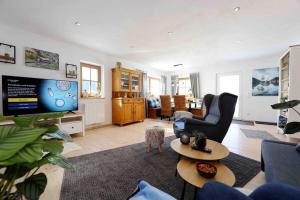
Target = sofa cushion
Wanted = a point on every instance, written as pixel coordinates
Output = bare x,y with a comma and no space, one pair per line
148,192
157,103
216,191
151,103
276,191
281,162
298,147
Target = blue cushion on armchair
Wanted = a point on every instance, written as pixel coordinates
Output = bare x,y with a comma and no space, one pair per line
148,192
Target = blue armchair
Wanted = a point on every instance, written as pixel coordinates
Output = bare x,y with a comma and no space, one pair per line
220,191
219,113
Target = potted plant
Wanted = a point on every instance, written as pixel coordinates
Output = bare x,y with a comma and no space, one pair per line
291,127
33,141
200,139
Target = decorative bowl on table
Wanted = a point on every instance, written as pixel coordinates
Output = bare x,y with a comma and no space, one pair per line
206,170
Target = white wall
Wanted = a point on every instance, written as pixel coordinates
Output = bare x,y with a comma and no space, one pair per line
252,107
68,53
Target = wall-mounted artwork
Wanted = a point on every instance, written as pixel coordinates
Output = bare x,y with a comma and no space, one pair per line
41,59
265,82
7,53
71,71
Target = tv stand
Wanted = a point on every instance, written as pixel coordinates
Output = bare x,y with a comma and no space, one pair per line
71,123
70,112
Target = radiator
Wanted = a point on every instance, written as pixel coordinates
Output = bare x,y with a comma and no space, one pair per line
93,111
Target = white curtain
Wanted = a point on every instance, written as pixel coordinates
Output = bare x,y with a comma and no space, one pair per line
163,85
195,84
174,82
144,84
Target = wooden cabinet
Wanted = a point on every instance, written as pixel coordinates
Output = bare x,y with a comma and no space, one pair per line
127,104
127,110
126,80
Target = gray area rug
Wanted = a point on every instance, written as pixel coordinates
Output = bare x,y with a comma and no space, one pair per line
249,123
113,174
257,134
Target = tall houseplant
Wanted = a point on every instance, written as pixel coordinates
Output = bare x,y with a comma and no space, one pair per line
26,146
291,127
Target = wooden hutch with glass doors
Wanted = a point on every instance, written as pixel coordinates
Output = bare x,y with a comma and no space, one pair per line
128,105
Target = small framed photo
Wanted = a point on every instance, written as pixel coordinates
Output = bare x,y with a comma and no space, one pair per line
7,53
71,71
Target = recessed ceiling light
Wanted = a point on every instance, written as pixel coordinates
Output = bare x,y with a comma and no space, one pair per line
77,23
170,32
236,9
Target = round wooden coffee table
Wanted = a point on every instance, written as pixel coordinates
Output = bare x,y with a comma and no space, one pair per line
188,172
219,151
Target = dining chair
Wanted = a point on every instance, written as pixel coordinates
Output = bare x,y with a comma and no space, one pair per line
179,101
166,108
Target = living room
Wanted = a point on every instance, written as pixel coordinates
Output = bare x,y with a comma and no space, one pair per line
150,104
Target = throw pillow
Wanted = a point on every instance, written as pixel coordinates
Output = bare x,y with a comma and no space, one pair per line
298,147
146,191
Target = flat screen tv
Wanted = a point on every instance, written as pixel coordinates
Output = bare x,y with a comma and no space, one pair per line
22,95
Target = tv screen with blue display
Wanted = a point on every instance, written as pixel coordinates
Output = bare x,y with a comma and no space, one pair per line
22,95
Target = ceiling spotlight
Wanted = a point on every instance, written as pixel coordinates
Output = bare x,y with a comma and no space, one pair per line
236,9
177,65
77,23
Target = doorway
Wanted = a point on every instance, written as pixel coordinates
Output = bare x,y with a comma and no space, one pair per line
230,82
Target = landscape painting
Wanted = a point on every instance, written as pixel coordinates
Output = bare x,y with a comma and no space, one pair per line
265,82
41,59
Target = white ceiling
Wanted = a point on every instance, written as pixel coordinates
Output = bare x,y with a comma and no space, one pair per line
204,31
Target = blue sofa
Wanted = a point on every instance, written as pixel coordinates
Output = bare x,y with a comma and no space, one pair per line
280,162
220,191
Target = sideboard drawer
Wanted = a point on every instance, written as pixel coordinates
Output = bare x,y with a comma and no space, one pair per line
71,128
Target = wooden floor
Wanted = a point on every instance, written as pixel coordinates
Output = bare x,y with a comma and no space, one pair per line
110,137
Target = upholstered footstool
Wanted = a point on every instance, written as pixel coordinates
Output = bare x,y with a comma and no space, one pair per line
154,135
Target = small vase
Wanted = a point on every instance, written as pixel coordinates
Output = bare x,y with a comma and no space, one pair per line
185,139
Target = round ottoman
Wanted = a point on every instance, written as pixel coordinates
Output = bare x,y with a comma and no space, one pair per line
154,135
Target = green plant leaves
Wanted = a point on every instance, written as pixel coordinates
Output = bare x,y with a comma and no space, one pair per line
52,128
15,170
53,146
33,187
13,139
1,118
24,121
29,121
30,153
285,105
292,127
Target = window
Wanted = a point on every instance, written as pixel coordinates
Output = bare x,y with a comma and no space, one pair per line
184,86
154,86
90,80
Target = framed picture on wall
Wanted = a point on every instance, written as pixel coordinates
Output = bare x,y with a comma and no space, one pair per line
41,59
265,82
71,71
7,53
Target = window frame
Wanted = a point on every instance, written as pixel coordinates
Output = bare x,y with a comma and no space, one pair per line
185,79
99,82
149,83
